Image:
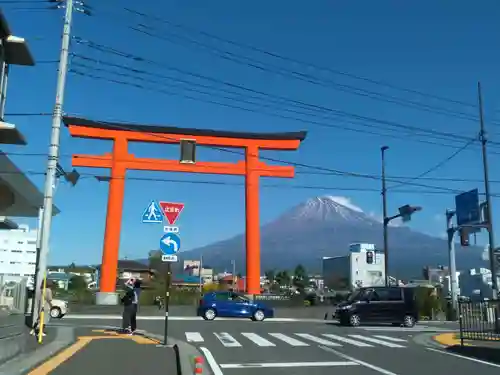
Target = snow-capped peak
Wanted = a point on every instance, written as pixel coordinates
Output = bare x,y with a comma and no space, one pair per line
328,208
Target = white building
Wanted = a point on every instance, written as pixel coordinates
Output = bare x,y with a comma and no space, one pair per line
17,253
364,266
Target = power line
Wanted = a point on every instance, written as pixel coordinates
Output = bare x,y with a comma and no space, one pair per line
435,167
211,101
225,183
334,112
296,61
394,178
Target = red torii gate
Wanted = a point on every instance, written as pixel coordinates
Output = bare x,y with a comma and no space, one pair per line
119,160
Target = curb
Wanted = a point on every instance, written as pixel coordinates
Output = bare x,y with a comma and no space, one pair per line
21,364
446,339
185,352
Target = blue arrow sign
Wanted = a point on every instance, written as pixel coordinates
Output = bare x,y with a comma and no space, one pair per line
170,244
152,213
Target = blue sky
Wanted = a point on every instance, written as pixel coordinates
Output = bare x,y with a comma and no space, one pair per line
438,48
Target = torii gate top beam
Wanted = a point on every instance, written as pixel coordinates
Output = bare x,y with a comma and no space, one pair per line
84,128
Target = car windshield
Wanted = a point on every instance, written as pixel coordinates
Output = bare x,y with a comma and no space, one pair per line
358,295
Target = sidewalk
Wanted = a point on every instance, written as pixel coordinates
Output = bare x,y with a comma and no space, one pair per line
106,352
488,350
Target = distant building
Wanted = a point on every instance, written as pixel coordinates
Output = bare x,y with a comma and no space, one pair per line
363,266
17,253
192,268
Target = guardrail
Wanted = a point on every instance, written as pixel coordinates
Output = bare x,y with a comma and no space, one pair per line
479,320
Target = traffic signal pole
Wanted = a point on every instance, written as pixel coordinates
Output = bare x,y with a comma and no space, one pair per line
489,218
452,260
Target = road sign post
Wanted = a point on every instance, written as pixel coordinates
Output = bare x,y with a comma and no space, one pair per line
170,244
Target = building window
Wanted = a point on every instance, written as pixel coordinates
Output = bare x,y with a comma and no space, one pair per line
15,262
31,263
31,252
16,251
31,242
20,242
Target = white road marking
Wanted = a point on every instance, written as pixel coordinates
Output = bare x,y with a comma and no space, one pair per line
317,340
377,341
214,366
259,340
464,357
361,363
194,337
404,329
289,340
389,338
348,341
288,364
227,340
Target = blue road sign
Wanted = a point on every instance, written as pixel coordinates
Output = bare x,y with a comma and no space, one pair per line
467,208
152,213
170,244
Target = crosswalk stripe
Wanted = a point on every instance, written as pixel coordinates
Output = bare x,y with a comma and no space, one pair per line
317,339
289,340
395,339
377,341
259,340
194,337
227,340
348,341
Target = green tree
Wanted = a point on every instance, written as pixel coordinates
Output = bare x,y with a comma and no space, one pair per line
270,276
300,278
77,283
283,278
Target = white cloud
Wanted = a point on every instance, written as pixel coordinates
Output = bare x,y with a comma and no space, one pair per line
344,201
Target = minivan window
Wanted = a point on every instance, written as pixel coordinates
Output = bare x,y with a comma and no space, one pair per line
389,294
359,295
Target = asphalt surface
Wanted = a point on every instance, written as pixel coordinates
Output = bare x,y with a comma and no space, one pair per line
244,347
108,352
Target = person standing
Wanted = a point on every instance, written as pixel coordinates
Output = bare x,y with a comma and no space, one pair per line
130,306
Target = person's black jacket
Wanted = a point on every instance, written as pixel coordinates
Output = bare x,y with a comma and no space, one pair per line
128,298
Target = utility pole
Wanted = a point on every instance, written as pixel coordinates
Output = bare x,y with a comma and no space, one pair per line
453,265
200,271
489,219
383,149
50,179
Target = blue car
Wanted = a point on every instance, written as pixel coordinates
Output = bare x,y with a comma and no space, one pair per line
232,305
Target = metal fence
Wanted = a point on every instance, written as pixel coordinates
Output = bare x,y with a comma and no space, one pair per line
479,320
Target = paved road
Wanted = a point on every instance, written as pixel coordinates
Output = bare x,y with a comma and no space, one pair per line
242,347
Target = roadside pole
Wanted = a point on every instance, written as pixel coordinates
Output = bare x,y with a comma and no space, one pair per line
452,260
168,282
50,179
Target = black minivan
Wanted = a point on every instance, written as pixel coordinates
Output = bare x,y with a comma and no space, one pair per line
396,305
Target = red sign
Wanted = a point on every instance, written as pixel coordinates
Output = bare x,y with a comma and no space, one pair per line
171,211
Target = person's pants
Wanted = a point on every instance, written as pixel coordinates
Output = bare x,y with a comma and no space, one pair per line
129,318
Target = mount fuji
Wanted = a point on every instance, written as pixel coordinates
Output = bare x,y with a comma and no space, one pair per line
325,226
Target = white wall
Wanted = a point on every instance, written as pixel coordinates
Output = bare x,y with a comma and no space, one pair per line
17,253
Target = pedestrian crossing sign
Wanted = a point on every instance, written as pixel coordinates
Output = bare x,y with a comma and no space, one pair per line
152,213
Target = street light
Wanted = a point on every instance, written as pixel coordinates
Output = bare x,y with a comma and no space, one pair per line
383,149
405,213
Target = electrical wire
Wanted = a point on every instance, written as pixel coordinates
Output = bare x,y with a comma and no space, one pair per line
149,30
435,167
338,113
294,60
102,178
297,172
308,121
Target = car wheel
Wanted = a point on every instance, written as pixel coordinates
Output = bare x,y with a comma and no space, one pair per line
258,316
354,320
409,321
55,312
209,314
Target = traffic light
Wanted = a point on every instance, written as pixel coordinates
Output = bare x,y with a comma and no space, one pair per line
464,237
369,257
